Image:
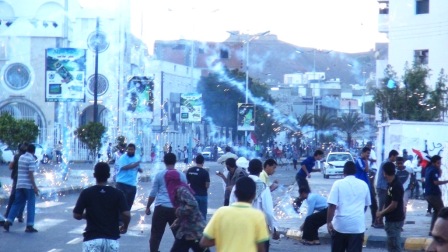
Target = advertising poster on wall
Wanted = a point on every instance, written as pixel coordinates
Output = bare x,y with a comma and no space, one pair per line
191,107
65,71
140,97
246,117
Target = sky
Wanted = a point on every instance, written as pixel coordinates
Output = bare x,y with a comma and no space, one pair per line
339,25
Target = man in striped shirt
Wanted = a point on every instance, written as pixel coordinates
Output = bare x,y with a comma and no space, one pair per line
26,190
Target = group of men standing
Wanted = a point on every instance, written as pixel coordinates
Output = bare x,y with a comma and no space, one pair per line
350,197
235,227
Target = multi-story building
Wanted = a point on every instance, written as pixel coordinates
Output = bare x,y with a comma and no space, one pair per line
29,28
416,30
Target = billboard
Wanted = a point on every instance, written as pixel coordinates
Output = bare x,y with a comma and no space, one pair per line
191,107
65,74
140,97
246,117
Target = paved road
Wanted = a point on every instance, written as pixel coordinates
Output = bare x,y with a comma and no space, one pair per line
58,231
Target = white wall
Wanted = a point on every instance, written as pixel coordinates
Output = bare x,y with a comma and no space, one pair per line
409,32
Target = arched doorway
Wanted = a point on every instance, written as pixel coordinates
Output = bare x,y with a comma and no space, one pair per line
24,109
105,117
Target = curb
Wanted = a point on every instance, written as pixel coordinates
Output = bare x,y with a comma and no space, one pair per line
408,243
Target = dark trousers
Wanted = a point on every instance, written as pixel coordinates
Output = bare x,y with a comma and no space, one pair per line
302,182
346,242
312,224
373,204
12,196
129,193
202,204
161,216
182,245
437,203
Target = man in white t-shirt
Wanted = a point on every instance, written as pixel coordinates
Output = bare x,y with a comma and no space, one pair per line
348,199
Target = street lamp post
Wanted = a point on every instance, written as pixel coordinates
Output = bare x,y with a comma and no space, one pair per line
247,42
315,104
95,86
251,37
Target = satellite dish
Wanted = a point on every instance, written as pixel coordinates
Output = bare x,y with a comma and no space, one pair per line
98,39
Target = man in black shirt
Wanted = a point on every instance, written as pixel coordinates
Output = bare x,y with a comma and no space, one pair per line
199,180
101,205
393,210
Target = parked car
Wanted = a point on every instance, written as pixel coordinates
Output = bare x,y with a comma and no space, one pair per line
207,152
8,154
334,163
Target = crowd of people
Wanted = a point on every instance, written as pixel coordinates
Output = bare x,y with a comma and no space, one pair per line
386,190
246,221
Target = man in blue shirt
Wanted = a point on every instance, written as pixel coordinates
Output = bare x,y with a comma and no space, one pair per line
433,194
313,221
128,167
306,169
362,173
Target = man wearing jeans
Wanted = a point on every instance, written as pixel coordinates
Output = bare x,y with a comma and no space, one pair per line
393,210
164,211
26,190
433,194
381,187
199,180
129,166
348,199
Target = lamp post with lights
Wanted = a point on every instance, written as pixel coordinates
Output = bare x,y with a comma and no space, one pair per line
247,42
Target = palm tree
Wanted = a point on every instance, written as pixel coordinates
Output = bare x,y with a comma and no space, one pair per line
305,120
323,122
350,123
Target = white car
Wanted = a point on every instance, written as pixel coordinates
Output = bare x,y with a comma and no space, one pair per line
334,163
8,156
206,153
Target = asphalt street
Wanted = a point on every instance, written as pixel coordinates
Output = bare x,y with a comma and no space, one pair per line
59,231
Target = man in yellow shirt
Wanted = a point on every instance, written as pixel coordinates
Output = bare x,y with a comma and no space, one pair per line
269,167
238,227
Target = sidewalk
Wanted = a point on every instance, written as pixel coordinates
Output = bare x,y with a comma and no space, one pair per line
414,236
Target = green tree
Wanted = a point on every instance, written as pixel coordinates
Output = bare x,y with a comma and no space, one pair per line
91,134
221,93
305,120
412,99
14,131
350,124
323,122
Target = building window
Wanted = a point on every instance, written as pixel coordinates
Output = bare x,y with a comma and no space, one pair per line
384,7
421,57
224,54
422,7
17,76
103,84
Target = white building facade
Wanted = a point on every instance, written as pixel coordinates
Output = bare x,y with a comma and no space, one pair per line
417,32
